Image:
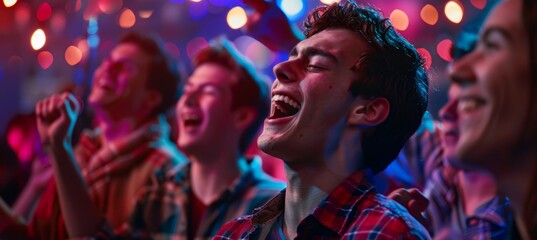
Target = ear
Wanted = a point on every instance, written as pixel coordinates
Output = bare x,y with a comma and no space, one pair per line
369,112
244,117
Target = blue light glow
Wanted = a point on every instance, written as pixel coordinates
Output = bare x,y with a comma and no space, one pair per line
198,9
293,9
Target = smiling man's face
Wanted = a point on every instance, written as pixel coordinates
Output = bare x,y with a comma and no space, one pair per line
310,96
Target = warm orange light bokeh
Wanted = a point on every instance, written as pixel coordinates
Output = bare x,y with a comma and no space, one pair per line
236,18
127,19
399,20
429,14
73,55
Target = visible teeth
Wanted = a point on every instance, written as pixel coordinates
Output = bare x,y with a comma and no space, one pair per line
467,105
190,116
286,99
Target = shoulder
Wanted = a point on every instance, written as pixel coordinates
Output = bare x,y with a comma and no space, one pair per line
380,217
236,229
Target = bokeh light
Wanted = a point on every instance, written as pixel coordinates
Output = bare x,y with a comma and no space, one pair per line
454,11
293,9
22,14
444,48
84,48
110,6
44,11
399,20
73,55
479,4
93,40
10,3
258,53
426,55
73,6
15,136
45,59
38,39
329,2
145,14
195,45
57,22
127,19
236,18
429,14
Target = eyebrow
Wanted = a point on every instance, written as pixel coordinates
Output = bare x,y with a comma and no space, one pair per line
310,52
486,34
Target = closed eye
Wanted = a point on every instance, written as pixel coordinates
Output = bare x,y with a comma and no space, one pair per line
315,68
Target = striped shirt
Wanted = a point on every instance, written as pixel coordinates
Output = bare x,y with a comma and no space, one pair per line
115,173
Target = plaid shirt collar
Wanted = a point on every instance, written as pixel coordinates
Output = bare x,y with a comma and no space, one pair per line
333,212
253,173
495,211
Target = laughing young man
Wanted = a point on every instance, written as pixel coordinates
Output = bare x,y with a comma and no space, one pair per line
344,103
112,164
222,107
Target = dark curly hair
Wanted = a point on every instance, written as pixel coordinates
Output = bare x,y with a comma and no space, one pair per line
393,70
162,73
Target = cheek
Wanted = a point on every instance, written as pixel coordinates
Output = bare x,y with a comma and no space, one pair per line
509,112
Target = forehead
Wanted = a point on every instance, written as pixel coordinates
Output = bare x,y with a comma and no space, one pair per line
344,44
508,17
129,51
211,73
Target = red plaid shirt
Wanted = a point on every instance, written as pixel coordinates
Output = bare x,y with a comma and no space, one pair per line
116,174
352,211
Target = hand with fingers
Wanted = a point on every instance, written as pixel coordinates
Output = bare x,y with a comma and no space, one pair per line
415,202
56,118
268,24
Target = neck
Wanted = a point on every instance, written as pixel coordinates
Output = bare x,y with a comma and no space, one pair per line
211,174
309,181
519,183
114,127
477,188
303,194
307,186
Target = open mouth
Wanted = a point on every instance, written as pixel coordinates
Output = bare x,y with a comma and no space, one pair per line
105,84
283,106
191,120
470,104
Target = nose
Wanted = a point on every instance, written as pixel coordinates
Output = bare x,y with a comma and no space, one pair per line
284,71
110,69
461,71
189,98
448,113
